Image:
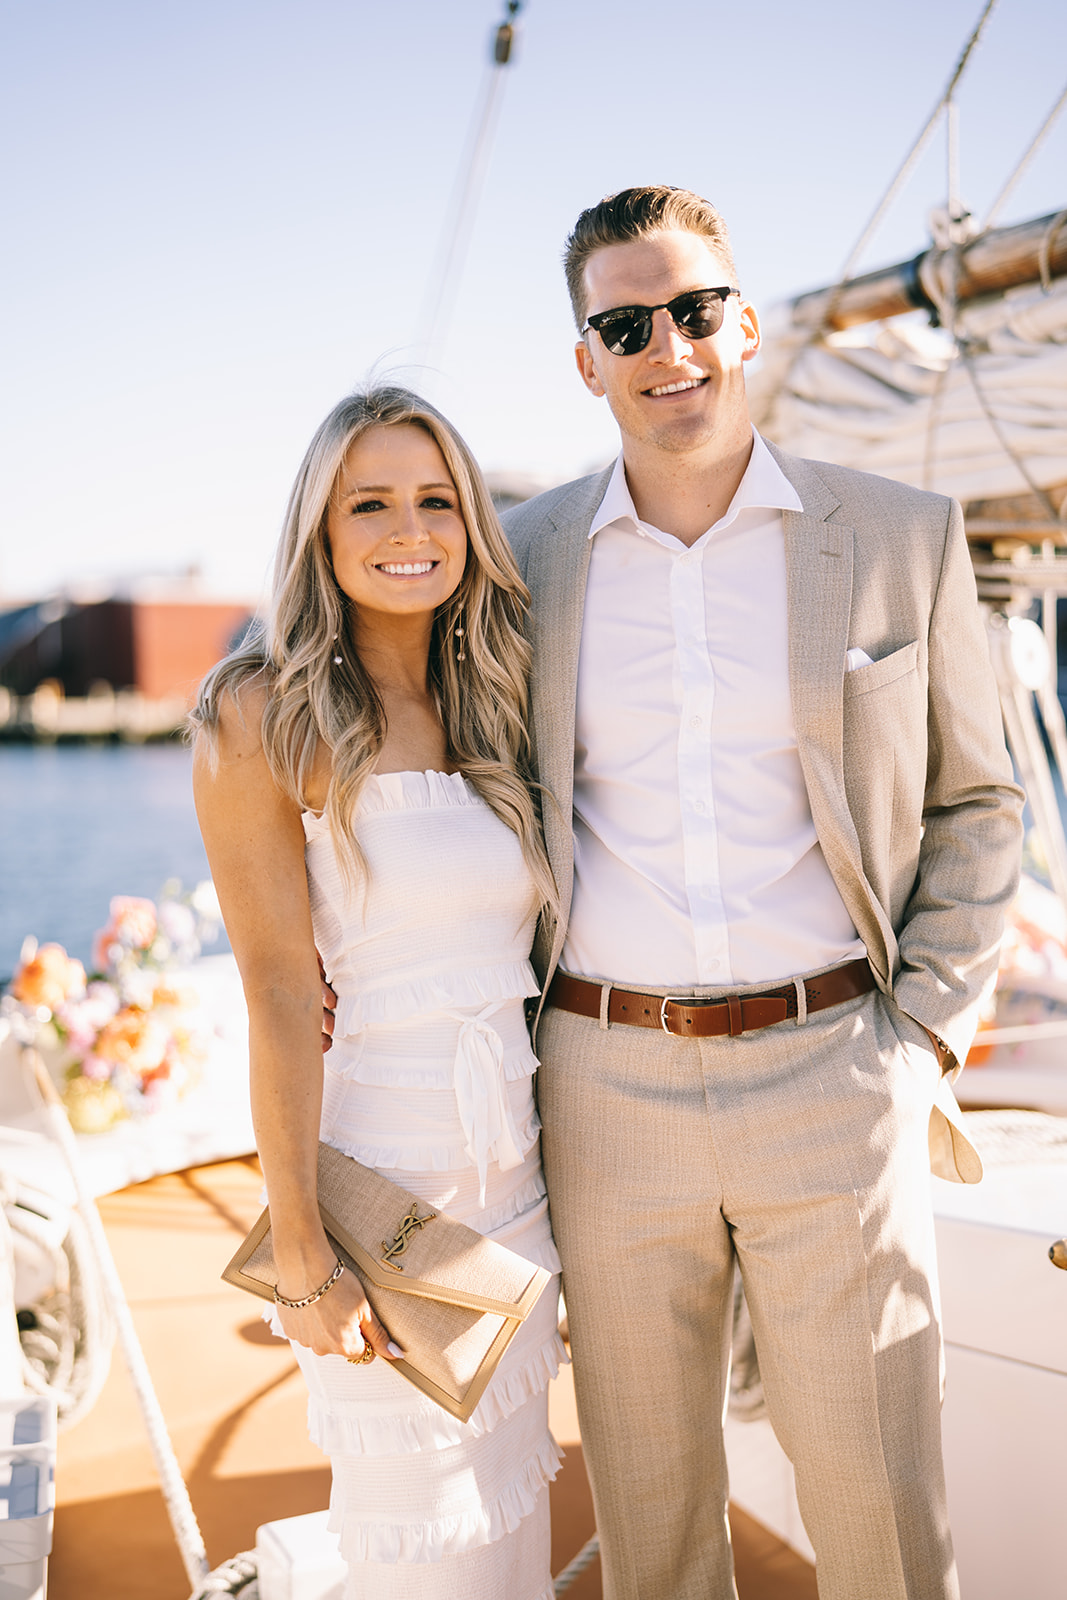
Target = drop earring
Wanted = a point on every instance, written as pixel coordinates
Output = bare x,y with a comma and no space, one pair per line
461,654
337,655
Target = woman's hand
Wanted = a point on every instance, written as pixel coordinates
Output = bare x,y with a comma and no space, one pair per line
340,1322
329,1007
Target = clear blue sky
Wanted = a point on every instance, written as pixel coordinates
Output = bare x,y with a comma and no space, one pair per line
222,215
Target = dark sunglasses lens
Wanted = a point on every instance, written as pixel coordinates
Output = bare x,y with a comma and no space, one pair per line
626,332
698,314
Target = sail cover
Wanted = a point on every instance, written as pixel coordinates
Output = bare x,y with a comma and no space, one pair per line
900,399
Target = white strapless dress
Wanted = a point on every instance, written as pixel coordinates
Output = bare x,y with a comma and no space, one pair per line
430,1082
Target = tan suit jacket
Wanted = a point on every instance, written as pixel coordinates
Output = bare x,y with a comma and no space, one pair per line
907,775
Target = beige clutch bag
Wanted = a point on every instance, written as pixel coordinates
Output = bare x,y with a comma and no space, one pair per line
452,1299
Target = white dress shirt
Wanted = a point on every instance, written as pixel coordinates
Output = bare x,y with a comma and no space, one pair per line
696,859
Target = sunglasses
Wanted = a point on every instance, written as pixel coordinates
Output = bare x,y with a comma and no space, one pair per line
626,330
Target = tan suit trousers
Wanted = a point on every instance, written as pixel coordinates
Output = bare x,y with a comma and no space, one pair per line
800,1151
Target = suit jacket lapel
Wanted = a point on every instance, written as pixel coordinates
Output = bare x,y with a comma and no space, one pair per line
819,557
557,571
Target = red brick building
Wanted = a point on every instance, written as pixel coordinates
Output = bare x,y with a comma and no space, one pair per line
160,647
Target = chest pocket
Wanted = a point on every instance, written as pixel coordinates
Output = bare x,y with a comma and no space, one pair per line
896,665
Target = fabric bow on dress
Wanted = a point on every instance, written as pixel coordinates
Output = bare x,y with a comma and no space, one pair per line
481,1094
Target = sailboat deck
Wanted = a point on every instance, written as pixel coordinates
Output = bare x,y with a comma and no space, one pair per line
235,1405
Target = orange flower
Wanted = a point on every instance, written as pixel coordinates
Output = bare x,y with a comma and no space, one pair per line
133,1039
49,978
165,994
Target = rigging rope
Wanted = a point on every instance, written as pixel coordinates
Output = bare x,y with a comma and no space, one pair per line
571,1573
900,178
1002,439
1024,160
906,167
933,418
441,291
175,1494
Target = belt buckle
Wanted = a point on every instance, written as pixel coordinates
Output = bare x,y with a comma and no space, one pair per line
678,1000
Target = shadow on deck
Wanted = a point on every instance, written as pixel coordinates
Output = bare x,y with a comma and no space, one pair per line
235,1404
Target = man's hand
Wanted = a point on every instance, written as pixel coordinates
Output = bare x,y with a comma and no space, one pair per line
329,1006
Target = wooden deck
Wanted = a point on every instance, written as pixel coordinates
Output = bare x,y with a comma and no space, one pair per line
235,1404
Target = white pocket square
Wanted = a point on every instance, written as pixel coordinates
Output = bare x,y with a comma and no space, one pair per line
857,658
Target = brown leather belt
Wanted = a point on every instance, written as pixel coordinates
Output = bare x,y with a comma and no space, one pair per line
689,1018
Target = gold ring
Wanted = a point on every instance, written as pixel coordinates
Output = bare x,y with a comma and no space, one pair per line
367,1356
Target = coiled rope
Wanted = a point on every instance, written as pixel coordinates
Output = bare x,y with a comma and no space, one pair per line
238,1576
67,1334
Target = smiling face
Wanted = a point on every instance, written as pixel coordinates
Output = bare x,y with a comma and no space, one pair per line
678,395
397,540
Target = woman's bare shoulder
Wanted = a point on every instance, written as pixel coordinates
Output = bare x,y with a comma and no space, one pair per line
241,709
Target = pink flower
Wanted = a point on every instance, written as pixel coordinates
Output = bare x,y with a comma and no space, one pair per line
132,926
177,922
160,1094
96,1070
83,1019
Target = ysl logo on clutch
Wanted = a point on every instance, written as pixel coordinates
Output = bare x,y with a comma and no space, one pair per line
403,1236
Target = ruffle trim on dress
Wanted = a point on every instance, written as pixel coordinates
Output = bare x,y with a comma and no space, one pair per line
346,1429
446,991
269,1315
394,1076
401,791
451,1535
425,1158
528,1195
350,1065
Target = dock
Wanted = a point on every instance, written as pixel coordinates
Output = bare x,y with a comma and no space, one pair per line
47,716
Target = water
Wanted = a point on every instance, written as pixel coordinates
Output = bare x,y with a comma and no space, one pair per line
79,823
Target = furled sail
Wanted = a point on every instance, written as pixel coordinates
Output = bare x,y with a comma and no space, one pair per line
976,408
905,400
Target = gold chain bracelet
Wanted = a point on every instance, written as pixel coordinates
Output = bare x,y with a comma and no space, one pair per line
309,1299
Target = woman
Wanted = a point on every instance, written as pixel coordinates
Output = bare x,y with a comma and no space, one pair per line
358,781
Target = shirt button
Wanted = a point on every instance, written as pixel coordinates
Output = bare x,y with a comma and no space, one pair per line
699,805
696,722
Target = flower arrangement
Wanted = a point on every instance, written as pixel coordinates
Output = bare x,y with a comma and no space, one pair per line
124,1040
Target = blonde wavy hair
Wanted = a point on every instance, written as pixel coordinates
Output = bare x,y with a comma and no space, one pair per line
311,701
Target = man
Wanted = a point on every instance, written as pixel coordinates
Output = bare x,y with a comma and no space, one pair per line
777,791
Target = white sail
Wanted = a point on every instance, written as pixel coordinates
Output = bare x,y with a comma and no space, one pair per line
894,398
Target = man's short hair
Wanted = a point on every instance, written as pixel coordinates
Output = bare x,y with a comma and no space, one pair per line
634,214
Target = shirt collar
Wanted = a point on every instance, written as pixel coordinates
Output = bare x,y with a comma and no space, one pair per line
764,487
